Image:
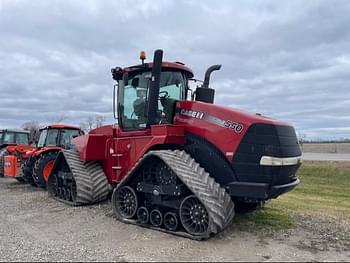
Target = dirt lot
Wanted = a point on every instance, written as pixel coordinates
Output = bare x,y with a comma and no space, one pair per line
34,227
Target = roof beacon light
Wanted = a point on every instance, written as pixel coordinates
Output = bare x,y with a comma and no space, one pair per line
142,56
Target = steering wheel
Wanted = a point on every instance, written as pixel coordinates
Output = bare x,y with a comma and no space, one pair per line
166,94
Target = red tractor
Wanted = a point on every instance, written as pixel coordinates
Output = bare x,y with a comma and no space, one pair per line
34,164
177,163
11,138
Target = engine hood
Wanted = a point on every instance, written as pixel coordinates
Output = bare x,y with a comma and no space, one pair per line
225,127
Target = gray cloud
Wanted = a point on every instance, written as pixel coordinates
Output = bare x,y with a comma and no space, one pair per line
288,60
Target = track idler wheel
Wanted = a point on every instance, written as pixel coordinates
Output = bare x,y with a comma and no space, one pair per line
171,221
125,202
194,216
156,218
143,215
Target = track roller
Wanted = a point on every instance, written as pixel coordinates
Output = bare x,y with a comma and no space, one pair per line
171,221
156,218
142,215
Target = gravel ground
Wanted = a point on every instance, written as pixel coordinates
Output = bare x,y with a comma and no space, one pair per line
36,228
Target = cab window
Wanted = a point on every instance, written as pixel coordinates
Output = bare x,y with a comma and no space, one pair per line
133,97
51,139
9,137
66,137
22,138
42,138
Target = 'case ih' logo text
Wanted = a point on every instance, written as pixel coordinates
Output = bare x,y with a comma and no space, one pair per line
192,113
7,164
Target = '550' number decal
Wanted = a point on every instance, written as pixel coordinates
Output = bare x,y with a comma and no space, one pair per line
233,126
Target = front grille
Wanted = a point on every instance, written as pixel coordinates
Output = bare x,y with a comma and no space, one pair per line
269,140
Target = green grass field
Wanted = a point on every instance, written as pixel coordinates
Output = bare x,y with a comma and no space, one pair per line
324,191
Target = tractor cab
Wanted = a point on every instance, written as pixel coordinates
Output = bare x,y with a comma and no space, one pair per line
58,135
148,93
14,137
147,97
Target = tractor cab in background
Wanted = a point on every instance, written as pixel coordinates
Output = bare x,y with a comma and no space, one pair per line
11,138
34,164
58,136
8,137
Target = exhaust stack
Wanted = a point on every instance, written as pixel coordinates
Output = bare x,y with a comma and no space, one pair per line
204,93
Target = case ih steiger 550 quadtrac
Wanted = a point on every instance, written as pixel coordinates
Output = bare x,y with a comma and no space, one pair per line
11,138
179,163
34,164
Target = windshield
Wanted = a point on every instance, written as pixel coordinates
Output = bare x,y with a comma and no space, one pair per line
133,96
9,137
22,138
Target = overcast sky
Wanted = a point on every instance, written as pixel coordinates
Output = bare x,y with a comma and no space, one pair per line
289,60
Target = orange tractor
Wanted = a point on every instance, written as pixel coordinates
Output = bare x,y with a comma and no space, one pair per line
34,164
10,138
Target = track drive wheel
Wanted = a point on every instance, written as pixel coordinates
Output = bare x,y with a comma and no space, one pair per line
125,203
43,167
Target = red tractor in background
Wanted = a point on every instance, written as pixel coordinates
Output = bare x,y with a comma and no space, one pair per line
11,138
33,164
178,163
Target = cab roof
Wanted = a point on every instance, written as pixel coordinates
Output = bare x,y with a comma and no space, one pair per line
14,130
168,65
61,126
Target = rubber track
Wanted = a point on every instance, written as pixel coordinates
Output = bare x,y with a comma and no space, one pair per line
91,181
2,155
217,202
